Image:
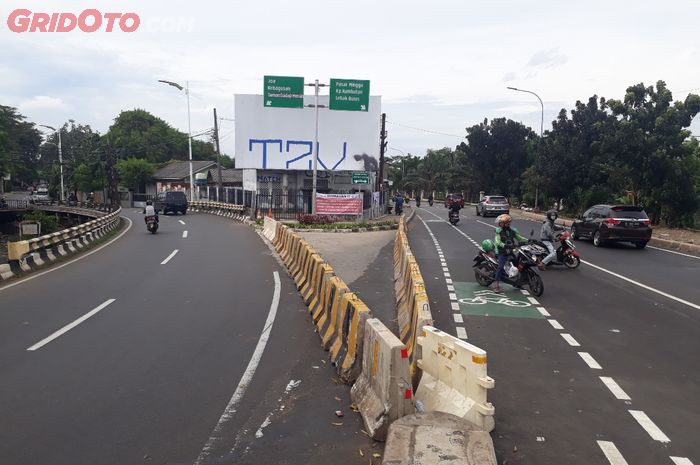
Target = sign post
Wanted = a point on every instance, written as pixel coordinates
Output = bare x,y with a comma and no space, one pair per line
349,95
360,177
283,92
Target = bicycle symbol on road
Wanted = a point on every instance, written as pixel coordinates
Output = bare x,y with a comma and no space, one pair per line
483,297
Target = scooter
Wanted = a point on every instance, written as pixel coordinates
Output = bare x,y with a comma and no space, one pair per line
567,255
519,269
151,224
454,217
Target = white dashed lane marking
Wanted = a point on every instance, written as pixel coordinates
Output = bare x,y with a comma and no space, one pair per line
590,361
570,339
181,222
555,324
649,426
615,388
543,311
458,318
184,234
681,461
611,453
461,332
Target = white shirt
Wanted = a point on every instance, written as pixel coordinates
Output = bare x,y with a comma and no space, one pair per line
150,211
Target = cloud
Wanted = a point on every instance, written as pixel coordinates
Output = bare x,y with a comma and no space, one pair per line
547,58
43,102
509,76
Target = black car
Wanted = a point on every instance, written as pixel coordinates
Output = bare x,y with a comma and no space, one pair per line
613,223
170,201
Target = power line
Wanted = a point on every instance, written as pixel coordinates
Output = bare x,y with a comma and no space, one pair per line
424,130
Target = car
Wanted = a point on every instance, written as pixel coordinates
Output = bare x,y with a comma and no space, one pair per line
613,223
170,201
492,205
452,198
41,195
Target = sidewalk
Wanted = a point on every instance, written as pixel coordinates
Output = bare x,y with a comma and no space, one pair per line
365,262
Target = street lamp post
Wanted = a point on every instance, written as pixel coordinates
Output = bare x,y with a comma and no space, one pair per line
537,189
189,127
60,157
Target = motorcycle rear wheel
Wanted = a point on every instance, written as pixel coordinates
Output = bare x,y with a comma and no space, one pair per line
482,280
572,262
536,284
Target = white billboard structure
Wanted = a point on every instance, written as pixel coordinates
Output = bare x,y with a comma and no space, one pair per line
283,138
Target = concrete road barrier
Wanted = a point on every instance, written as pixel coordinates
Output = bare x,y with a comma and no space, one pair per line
319,301
454,378
383,392
432,438
327,324
347,345
270,229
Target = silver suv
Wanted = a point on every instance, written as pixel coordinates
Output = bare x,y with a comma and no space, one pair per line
492,205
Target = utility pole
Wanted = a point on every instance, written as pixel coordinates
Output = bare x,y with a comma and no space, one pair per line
382,150
315,105
218,155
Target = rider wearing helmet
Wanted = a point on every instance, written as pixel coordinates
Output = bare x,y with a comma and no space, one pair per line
150,211
547,236
506,239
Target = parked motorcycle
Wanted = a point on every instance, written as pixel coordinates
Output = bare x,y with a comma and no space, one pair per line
567,255
519,269
454,217
151,224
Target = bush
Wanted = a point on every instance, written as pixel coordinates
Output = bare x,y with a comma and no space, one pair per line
49,223
315,219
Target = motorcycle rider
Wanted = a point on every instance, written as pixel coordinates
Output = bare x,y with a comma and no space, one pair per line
506,239
398,204
430,199
418,199
547,236
150,211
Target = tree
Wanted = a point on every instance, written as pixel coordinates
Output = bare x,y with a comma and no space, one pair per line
135,173
19,146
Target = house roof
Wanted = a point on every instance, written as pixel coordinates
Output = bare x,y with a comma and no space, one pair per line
181,169
227,175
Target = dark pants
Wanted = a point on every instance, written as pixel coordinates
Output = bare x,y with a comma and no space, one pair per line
502,259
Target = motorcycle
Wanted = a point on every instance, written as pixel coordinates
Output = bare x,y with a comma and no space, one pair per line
417,202
430,202
454,217
519,269
151,224
398,209
567,255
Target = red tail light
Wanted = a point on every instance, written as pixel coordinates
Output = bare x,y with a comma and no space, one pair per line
612,221
407,394
647,222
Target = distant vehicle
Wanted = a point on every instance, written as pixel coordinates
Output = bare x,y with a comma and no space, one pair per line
452,198
492,205
613,223
170,201
41,195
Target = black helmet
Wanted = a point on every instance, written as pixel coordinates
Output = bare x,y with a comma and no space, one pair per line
552,215
149,202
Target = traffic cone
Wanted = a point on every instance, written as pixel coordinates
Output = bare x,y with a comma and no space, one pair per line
269,213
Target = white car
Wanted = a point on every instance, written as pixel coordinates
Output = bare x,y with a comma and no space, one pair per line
41,195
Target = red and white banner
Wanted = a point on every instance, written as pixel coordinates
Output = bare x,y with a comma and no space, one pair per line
338,204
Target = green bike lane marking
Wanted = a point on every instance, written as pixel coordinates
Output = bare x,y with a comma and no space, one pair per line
477,300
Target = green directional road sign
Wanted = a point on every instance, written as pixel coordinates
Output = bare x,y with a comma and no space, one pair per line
349,94
360,177
283,92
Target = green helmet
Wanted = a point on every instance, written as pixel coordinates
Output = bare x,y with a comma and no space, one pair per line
487,245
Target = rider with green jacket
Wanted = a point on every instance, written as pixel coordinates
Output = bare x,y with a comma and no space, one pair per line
506,239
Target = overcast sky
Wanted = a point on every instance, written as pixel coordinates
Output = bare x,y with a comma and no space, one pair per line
439,65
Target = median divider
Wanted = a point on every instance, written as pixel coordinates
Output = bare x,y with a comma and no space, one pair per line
454,378
383,391
227,210
412,304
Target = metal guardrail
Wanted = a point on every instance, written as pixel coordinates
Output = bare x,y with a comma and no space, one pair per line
207,206
18,250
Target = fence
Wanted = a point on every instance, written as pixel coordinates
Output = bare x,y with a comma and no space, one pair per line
294,202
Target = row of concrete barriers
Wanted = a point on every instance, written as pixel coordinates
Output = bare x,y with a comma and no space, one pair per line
30,254
227,210
364,351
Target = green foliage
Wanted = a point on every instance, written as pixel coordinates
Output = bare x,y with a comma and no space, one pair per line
19,146
49,223
134,173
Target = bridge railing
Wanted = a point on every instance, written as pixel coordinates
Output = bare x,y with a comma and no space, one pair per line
19,250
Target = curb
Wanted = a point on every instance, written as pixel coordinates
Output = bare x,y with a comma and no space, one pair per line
347,230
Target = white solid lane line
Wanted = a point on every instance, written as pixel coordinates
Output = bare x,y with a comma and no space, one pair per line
615,388
611,453
590,361
169,257
570,339
674,252
247,377
648,425
644,286
181,222
70,326
184,234
681,460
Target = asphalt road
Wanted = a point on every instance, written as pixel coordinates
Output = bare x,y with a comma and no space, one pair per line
602,368
138,354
